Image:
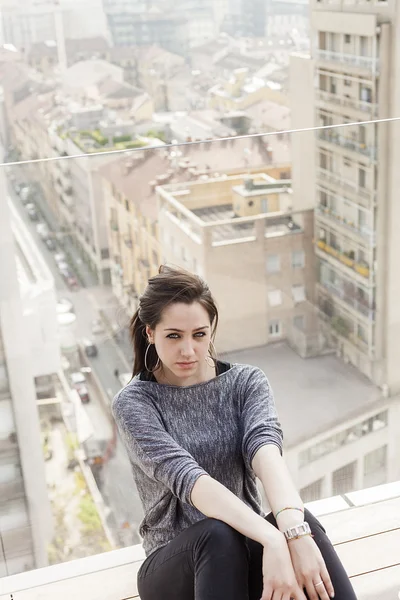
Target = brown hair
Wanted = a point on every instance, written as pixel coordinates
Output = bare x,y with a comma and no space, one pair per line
169,286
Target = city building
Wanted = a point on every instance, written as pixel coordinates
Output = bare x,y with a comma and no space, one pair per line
129,27
29,357
29,22
129,187
350,175
240,91
250,222
43,56
245,18
95,112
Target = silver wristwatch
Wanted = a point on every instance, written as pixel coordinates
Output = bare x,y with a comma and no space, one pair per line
297,531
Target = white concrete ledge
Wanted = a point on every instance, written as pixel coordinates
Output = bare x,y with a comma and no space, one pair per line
366,537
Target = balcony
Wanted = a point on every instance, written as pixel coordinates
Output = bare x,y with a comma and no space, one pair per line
350,187
114,225
345,259
361,307
363,526
330,215
368,63
333,137
368,108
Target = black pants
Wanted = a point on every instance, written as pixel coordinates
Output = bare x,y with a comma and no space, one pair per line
212,561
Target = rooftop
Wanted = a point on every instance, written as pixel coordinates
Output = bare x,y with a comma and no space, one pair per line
73,48
137,180
320,393
363,526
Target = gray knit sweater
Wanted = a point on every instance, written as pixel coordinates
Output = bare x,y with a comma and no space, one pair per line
173,435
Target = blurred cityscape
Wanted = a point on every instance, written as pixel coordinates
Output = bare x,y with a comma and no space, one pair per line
251,142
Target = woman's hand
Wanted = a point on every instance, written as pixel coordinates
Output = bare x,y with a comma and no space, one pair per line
279,579
310,569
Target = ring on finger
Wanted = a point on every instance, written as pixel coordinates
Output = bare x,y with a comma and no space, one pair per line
319,583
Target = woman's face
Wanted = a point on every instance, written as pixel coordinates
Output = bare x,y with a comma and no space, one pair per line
182,340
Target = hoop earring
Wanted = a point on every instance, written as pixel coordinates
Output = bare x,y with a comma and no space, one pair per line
145,361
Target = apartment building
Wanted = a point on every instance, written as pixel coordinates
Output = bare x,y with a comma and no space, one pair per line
29,353
129,186
28,22
350,174
242,234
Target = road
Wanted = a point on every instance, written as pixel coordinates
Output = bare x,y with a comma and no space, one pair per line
118,487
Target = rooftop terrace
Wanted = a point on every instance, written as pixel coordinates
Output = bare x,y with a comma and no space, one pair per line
364,527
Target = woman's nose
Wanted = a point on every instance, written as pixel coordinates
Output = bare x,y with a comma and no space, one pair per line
187,349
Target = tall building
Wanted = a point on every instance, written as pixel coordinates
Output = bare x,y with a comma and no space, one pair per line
25,513
138,24
27,22
351,176
246,18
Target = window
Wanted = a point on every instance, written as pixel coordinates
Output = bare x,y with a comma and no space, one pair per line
264,205
375,467
127,205
298,293
312,492
275,328
184,254
273,263
275,297
298,259
347,82
343,479
298,322
347,38
362,177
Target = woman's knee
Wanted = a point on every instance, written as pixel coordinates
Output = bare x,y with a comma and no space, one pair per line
220,535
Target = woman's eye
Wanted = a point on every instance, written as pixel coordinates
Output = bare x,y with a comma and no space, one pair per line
200,334
173,336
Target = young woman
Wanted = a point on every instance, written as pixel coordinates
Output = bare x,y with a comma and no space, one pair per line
198,432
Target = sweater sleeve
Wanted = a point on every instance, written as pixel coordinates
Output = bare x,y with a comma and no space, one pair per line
259,419
151,448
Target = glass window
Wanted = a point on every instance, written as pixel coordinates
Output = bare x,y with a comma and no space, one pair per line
273,263
313,491
344,479
275,328
275,297
298,259
298,293
375,467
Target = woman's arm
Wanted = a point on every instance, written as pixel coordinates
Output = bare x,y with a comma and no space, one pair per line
214,500
271,469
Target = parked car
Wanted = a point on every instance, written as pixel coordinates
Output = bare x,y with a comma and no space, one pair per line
90,348
63,267
32,212
97,326
50,244
60,257
24,194
71,281
43,230
83,393
66,304
77,378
